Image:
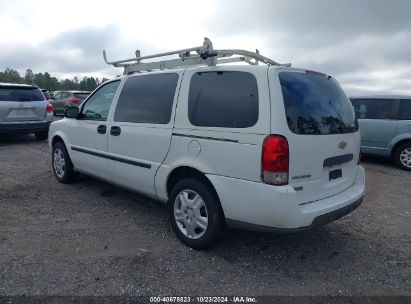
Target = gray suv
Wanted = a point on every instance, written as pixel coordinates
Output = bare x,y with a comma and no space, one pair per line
385,126
24,109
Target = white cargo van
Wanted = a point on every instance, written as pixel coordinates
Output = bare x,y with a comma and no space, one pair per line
262,147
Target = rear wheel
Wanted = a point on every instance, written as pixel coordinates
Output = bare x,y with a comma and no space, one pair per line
62,165
195,213
402,156
42,135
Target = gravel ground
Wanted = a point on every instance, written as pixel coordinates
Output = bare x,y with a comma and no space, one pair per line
90,238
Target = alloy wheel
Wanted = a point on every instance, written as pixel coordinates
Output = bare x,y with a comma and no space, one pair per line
405,157
59,163
190,214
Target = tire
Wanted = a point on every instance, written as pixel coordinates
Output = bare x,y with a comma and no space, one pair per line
190,203
62,165
402,156
42,135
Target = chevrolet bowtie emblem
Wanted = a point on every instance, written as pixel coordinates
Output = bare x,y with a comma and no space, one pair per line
342,145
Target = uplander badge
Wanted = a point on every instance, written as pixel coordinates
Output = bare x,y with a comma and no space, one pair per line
301,176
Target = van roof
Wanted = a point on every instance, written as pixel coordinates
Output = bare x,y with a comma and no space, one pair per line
214,68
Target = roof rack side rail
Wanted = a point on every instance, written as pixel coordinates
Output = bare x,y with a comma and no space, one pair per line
205,55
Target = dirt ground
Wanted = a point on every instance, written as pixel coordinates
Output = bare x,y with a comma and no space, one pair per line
90,238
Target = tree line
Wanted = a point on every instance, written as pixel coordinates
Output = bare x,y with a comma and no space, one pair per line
46,81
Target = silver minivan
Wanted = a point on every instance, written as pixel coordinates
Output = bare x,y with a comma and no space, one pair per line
385,126
24,110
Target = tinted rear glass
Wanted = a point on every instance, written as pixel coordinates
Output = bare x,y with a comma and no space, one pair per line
315,104
373,108
405,109
223,99
81,96
147,99
20,94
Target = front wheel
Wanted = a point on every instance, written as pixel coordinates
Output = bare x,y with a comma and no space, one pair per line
62,165
402,156
195,213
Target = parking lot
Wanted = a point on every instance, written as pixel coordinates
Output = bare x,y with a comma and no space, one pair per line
90,238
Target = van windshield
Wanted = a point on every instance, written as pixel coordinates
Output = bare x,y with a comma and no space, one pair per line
315,104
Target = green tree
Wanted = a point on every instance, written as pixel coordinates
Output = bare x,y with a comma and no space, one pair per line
40,81
10,75
29,77
67,84
46,81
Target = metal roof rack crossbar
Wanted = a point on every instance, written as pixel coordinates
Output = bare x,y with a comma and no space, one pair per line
204,55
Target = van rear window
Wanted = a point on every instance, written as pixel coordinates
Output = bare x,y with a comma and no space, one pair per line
14,93
315,104
227,99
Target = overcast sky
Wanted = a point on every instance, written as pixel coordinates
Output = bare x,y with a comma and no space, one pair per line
364,44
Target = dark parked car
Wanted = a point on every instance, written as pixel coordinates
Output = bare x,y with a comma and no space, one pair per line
46,94
385,126
64,99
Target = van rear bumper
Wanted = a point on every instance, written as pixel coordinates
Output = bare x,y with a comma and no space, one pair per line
257,206
317,222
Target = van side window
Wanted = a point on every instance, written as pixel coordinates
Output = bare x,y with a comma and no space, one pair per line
373,108
98,105
223,99
147,99
405,110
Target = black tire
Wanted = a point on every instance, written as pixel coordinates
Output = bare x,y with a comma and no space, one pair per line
404,148
42,135
67,175
215,215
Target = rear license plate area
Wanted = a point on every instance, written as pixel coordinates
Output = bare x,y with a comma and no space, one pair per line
21,113
335,174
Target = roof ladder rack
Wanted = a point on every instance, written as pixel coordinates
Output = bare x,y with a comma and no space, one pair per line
204,55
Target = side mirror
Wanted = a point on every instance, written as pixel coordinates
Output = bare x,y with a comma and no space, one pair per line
71,112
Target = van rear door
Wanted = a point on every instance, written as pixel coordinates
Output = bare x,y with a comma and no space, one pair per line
319,123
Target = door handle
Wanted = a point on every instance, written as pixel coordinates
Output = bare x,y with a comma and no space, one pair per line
101,129
115,131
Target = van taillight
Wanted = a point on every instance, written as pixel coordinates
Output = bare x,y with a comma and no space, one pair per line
275,160
49,108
